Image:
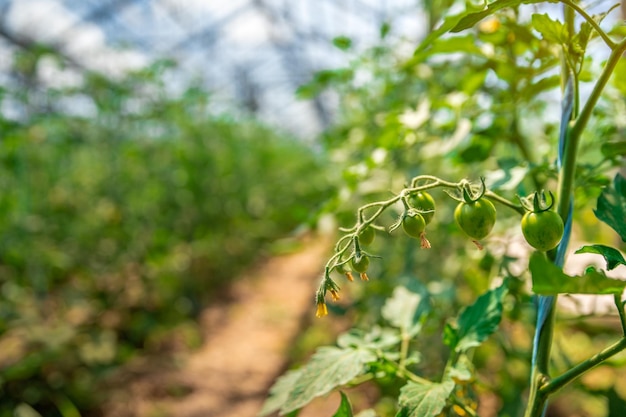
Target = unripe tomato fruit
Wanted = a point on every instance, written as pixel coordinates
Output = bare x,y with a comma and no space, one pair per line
476,218
361,265
423,202
366,237
543,230
414,225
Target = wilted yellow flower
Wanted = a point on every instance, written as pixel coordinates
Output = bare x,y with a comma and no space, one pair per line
364,277
321,310
459,410
425,242
335,295
349,276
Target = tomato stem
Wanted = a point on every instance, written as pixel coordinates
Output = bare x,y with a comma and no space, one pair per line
573,131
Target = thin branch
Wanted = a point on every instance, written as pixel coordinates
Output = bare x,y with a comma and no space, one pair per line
573,373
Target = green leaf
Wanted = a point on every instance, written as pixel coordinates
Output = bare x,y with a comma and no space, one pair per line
307,91
462,371
551,30
544,84
612,256
406,310
471,19
424,400
448,23
616,404
280,392
476,322
342,42
581,39
345,408
548,279
611,206
384,30
377,338
329,368
613,149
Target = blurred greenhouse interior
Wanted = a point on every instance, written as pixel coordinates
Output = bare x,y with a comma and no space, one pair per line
167,168
251,55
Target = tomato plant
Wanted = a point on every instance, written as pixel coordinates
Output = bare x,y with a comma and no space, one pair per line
471,101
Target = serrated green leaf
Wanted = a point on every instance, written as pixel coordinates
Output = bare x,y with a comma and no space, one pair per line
280,392
377,338
421,400
345,408
342,42
611,206
405,310
551,30
471,19
478,321
548,279
329,368
462,371
612,256
612,149
582,37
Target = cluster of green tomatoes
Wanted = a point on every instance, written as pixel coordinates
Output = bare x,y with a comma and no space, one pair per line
475,215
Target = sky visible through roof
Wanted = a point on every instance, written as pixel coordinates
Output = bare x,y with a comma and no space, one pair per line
250,54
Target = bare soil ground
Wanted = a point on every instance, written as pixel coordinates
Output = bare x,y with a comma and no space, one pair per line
246,346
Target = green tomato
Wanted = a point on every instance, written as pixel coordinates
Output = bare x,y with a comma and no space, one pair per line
476,218
543,230
366,237
360,265
414,225
423,202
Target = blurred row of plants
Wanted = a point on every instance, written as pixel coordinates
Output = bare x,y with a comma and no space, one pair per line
123,210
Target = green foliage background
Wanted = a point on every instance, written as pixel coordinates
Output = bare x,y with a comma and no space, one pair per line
116,228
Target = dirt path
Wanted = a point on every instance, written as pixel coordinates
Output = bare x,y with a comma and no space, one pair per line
245,347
